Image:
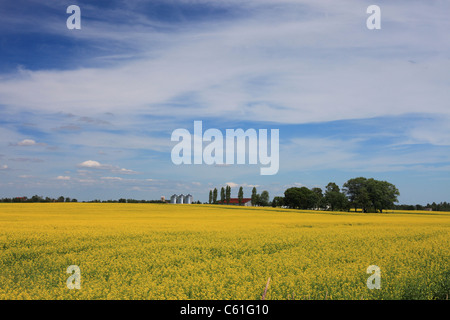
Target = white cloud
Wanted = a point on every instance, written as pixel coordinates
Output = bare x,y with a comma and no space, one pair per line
244,185
65,178
92,164
300,71
431,131
357,154
28,143
125,171
3,167
124,140
87,181
232,184
295,184
112,178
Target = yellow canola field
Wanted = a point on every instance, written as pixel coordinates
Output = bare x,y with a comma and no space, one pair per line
157,251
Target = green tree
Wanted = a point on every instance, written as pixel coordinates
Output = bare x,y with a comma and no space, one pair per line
210,196
254,197
222,195
228,194
382,194
264,198
356,191
301,198
240,195
334,198
370,194
36,198
278,202
318,197
215,196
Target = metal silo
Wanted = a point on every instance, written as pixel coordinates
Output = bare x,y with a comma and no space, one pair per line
188,199
173,199
180,199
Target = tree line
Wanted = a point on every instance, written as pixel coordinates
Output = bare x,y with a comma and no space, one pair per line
225,196
36,199
442,206
369,195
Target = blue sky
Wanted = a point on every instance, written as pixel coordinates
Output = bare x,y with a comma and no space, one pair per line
89,113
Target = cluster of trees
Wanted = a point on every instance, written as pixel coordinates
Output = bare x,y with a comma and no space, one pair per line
261,200
122,200
443,206
225,196
315,198
37,198
370,195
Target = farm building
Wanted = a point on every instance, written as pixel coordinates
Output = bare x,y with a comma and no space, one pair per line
235,202
181,199
188,199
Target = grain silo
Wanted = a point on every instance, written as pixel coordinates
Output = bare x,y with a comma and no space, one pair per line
188,199
180,199
173,199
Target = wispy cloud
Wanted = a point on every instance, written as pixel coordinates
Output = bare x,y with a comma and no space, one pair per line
246,67
112,178
91,164
244,185
28,143
65,178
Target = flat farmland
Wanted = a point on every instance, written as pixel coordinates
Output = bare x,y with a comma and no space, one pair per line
157,251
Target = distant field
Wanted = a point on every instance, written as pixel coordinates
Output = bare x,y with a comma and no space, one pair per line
154,251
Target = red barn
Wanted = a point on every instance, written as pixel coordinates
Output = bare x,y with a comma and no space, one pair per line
235,202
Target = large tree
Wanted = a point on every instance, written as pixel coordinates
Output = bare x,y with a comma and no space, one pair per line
264,198
356,191
240,195
210,196
228,194
334,198
278,202
215,196
318,197
370,194
254,197
222,195
301,198
382,194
